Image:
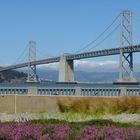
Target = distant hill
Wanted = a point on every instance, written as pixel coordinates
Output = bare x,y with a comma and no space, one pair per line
12,76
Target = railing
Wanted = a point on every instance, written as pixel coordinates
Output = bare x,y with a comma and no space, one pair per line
133,91
13,91
76,91
56,91
100,92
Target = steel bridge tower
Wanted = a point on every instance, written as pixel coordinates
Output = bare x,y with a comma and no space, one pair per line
32,77
126,59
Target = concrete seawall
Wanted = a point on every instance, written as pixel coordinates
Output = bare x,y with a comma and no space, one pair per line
28,103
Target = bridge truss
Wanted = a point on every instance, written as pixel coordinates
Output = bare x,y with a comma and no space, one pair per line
126,59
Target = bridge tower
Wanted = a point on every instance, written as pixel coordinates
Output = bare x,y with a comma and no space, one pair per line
32,77
126,59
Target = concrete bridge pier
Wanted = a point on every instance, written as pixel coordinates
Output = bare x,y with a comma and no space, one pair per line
66,70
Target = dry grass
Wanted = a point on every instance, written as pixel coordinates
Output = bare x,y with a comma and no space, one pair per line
100,105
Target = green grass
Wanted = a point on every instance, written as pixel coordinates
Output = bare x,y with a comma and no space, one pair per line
98,123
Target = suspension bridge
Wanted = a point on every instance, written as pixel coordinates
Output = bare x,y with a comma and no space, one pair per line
66,67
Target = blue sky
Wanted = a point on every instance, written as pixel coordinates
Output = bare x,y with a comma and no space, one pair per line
60,26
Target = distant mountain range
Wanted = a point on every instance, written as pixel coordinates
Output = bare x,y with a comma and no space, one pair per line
85,71
83,76
13,76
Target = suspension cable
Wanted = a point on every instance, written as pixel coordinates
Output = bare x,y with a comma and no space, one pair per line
98,35
41,53
21,55
105,38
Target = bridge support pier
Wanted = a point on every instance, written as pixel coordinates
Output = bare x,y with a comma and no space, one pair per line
66,70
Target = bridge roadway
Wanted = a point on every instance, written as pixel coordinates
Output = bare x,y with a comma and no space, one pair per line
105,52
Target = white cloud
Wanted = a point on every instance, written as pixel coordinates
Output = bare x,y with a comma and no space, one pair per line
90,66
96,66
86,66
51,66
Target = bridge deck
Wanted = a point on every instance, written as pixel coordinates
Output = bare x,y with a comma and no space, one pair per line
105,52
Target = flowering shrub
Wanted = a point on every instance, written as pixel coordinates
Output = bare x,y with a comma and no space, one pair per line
57,131
88,133
21,131
108,133
29,131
